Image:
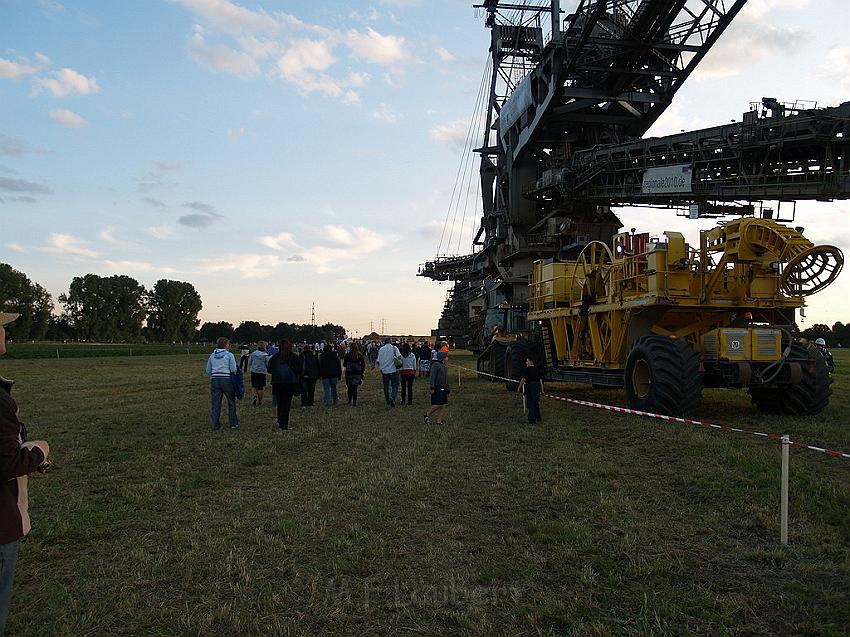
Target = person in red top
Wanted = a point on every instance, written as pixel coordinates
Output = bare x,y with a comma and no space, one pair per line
18,459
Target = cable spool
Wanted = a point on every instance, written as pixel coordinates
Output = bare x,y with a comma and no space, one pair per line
812,270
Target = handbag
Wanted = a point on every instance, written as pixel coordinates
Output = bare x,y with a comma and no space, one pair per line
397,360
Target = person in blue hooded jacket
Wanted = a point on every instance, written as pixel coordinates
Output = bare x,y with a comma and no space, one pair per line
220,365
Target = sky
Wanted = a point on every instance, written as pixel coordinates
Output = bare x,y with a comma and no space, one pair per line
280,153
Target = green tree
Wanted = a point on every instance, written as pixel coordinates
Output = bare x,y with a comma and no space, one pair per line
173,308
248,332
107,309
819,330
20,295
210,332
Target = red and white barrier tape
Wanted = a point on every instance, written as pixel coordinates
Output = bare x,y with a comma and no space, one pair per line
685,421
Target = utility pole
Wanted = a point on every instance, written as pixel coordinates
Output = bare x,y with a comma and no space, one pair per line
371,327
556,18
313,316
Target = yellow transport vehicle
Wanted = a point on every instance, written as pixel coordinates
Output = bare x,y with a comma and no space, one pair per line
664,319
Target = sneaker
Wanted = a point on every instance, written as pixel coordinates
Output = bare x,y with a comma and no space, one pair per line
254,402
234,426
427,420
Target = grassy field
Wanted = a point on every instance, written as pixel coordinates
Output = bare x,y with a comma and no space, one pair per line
22,351
366,522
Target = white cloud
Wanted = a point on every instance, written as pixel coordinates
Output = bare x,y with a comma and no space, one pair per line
221,58
231,17
384,114
124,267
67,82
445,56
17,247
66,244
306,55
835,65
10,70
161,232
281,242
387,50
454,134
752,38
249,266
68,118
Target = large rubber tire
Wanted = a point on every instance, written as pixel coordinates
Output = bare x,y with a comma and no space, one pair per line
767,400
497,360
662,376
515,364
811,395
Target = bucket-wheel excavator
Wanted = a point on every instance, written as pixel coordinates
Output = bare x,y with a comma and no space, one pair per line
551,275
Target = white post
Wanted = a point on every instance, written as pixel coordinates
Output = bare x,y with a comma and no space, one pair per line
57,353
524,403
458,376
131,351
783,523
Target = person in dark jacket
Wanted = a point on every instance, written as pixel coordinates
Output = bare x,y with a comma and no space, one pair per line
285,369
309,375
532,386
439,378
18,459
355,367
330,370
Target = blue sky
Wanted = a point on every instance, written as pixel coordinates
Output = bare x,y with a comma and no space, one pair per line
280,153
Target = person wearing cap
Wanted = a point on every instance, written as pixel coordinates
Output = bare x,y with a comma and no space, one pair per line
18,459
827,355
439,389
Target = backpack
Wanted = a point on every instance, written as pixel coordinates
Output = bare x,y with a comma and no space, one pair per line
354,366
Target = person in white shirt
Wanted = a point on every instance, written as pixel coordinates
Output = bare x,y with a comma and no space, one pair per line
389,362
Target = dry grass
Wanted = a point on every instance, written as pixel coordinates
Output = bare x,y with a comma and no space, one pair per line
367,522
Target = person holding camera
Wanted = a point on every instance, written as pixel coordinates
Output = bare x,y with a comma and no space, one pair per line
18,459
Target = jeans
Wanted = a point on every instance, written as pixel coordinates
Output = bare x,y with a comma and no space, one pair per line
284,403
8,557
390,379
219,386
329,395
407,388
532,401
308,391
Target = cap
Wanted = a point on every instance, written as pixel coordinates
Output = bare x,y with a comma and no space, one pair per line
820,341
6,318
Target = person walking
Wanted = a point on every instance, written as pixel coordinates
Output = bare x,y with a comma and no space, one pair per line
533,386
424,355
820,343
372,354
244,354
285,370
407,373
220,365
18,459
309,375
330,370
439,378
355,366
389,361
259,361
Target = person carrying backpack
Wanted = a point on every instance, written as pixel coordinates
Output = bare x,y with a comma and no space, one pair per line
285,369
309,376
355,367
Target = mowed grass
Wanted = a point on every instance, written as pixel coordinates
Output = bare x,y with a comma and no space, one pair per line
47,349
367,522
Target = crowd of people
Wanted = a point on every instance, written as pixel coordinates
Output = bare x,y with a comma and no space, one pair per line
294,370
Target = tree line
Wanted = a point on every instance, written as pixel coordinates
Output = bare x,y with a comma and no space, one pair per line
252,331
836,336
119,309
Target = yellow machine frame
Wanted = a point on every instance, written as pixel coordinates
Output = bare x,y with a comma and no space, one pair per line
593,308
